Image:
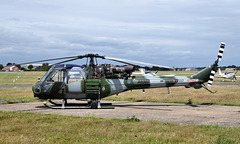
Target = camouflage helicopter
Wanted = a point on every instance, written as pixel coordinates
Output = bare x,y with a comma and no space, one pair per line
94,82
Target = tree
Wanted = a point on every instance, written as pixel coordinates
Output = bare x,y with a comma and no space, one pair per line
19,67
45,64
30,67
9,64
44,67
1,66
22,68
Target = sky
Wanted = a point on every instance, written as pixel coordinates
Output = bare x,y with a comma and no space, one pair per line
174,33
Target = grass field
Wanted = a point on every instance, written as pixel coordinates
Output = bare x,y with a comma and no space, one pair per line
30,78
189,73
228,95
17,95
38,128
20,78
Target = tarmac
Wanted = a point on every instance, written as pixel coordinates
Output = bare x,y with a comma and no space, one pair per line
182,114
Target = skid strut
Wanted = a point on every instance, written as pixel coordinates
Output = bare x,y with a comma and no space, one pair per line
79,105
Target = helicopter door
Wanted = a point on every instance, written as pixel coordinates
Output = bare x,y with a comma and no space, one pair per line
56,80
75,81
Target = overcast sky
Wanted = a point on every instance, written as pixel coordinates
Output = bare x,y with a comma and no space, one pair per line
179,33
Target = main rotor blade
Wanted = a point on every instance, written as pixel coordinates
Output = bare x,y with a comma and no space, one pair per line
49,60
65,61
130,62
121,61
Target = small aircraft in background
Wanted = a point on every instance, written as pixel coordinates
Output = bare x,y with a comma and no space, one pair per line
145,73
227,75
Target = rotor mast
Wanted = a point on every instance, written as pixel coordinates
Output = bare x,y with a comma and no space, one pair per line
92,65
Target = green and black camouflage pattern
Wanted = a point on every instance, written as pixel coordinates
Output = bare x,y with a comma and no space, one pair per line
92,88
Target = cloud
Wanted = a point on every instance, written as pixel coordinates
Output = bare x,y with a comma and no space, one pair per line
167,32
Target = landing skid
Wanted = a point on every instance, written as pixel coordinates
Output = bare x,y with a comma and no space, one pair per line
90,105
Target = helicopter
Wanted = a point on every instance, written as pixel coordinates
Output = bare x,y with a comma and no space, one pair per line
94,82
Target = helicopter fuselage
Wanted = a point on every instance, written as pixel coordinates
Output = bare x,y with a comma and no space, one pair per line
71,82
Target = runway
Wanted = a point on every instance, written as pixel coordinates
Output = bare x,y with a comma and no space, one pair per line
15,86
228,116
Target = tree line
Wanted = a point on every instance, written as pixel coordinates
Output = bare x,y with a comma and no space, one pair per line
43,67
46,67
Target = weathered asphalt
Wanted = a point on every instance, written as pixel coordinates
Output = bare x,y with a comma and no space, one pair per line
228,116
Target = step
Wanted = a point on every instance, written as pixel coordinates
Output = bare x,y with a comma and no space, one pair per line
92,91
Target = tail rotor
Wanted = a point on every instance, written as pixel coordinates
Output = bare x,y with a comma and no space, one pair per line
221,50
214,66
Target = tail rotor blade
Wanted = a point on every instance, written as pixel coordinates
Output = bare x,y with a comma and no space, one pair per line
221,50
214,66
211,77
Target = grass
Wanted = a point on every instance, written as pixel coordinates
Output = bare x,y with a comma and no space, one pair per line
189,73
30,78
17,95
21,78
38,128
228,95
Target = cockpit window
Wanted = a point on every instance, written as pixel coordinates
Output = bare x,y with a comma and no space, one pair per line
56,76
148,72
76,74
65,73
47,73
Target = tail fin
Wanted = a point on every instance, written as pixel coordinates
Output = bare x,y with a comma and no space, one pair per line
208,73
219,70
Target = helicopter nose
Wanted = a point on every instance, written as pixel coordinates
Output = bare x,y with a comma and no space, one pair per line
37,90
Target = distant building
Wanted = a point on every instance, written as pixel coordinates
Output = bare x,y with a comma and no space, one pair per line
230,69
10,68
188,69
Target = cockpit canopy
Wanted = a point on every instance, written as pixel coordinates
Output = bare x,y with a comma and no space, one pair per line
65,73
226,73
